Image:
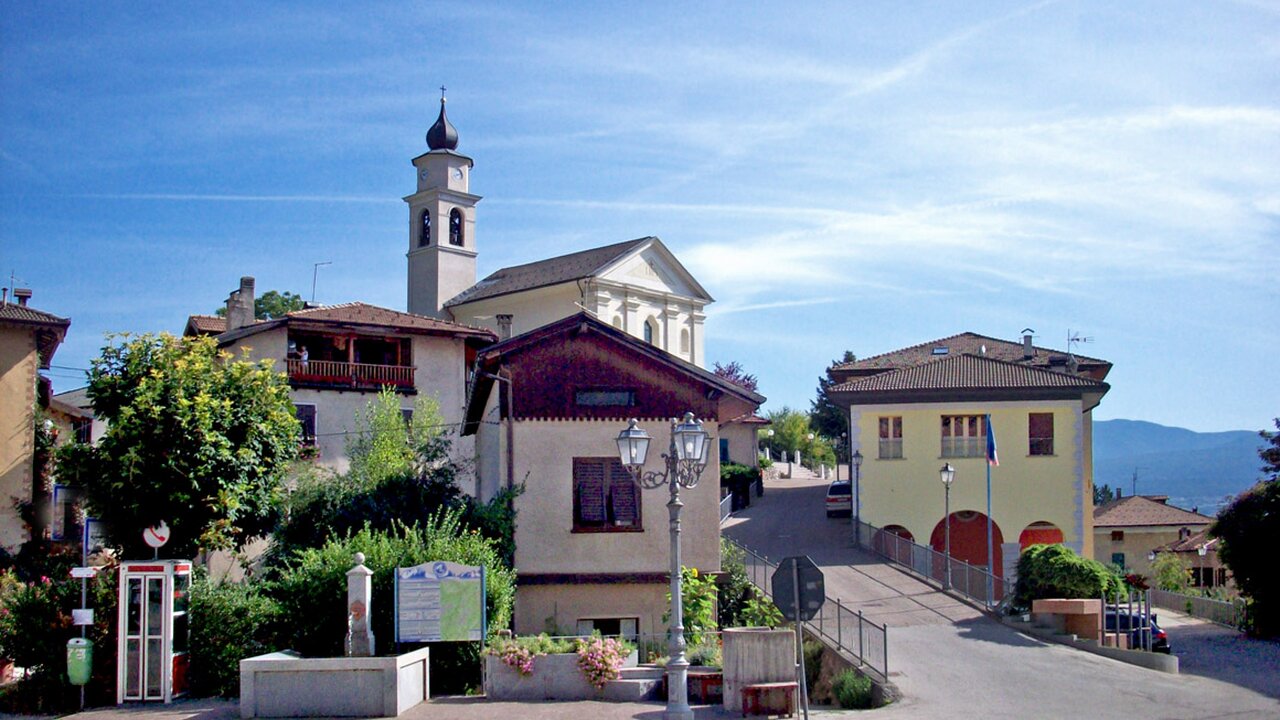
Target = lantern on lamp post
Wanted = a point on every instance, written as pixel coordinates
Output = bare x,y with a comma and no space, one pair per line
683,464
948,476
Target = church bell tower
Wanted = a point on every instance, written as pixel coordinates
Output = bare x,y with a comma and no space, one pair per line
442,220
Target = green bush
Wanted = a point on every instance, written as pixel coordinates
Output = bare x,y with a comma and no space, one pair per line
35,625
733,473
311,591
1056,571
812,661
853,691
229,622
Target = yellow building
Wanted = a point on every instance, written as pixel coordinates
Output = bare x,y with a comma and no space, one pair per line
28,340
912,410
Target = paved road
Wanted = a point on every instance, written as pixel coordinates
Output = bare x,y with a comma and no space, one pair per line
949,660
1216,651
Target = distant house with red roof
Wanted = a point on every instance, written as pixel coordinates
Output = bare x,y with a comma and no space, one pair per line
1126,531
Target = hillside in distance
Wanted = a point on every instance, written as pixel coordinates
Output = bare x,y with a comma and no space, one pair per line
1193,469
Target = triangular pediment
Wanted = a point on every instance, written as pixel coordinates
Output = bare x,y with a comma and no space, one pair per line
651,266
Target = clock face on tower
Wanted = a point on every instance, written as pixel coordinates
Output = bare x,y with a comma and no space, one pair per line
457,173
423,174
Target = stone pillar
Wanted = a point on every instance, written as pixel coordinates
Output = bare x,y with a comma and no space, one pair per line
359,593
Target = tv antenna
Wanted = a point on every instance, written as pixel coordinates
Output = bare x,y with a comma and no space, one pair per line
1074,338
315,271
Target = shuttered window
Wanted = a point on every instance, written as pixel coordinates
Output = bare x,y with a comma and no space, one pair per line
605,496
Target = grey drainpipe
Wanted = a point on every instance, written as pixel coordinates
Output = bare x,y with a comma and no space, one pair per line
511,437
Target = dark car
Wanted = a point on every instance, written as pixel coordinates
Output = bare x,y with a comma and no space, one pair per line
839,499
1139,628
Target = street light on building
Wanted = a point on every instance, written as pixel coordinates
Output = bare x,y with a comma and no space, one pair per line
948,475
683,463
857,497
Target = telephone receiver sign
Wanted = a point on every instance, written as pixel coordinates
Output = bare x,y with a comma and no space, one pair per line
156,536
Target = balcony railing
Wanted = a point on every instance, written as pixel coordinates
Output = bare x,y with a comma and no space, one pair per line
328,372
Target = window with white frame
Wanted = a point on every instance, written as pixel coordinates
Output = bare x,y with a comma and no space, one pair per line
963,436
891,438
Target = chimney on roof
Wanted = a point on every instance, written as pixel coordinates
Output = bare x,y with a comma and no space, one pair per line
240,306
1073,365
504,327
1028,350
22,295
1162,499
1119,493
4,299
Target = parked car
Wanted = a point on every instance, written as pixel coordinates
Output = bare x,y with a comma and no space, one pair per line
1138,626
839,498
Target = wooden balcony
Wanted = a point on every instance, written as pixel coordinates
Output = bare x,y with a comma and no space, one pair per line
349,375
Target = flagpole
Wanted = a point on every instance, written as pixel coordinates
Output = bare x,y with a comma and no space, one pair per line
991,568
991,555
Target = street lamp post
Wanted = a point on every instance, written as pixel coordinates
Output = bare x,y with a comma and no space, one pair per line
857,497
683,464
948,475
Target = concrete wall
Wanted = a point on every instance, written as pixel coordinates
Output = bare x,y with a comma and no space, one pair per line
286,685
743,448
558,608
18,366
1025,488
529,310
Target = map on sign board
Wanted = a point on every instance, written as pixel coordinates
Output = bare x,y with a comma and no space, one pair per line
440,601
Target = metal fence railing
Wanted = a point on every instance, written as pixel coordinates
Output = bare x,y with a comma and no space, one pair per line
862,641
726,507
971,581
1219,611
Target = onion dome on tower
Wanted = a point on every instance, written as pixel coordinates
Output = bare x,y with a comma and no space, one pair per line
442,135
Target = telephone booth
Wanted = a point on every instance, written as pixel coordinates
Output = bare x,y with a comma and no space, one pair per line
153,630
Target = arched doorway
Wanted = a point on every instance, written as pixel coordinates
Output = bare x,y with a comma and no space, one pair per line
969,539
895,542
1040,533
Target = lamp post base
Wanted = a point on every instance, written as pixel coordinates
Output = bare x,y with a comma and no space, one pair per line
678,691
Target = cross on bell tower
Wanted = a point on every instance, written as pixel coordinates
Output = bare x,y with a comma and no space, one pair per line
442,246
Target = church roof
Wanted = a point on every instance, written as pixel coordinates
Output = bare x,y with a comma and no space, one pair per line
552,271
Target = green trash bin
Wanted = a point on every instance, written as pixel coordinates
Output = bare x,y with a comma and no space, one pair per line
79,660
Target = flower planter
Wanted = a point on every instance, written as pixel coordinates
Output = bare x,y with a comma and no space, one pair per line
554,677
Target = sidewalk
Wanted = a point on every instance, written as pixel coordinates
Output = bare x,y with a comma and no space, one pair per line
444,708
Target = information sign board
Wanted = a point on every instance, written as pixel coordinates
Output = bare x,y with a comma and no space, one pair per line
440,601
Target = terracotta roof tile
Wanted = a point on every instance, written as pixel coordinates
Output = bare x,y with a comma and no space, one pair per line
1192,543
964,343
1137,511
13,312
551,271
967,372
358,313
207,324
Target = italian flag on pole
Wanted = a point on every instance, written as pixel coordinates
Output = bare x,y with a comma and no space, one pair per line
993,459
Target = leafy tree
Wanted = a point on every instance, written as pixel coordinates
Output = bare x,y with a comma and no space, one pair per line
791,432
828,419
194,438
1056,571
1250,531
271,305
1171,572
1103,494
734,373
399,473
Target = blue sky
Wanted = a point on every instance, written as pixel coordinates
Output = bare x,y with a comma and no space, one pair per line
846,176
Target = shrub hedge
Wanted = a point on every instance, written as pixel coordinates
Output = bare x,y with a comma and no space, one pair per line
1056,571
